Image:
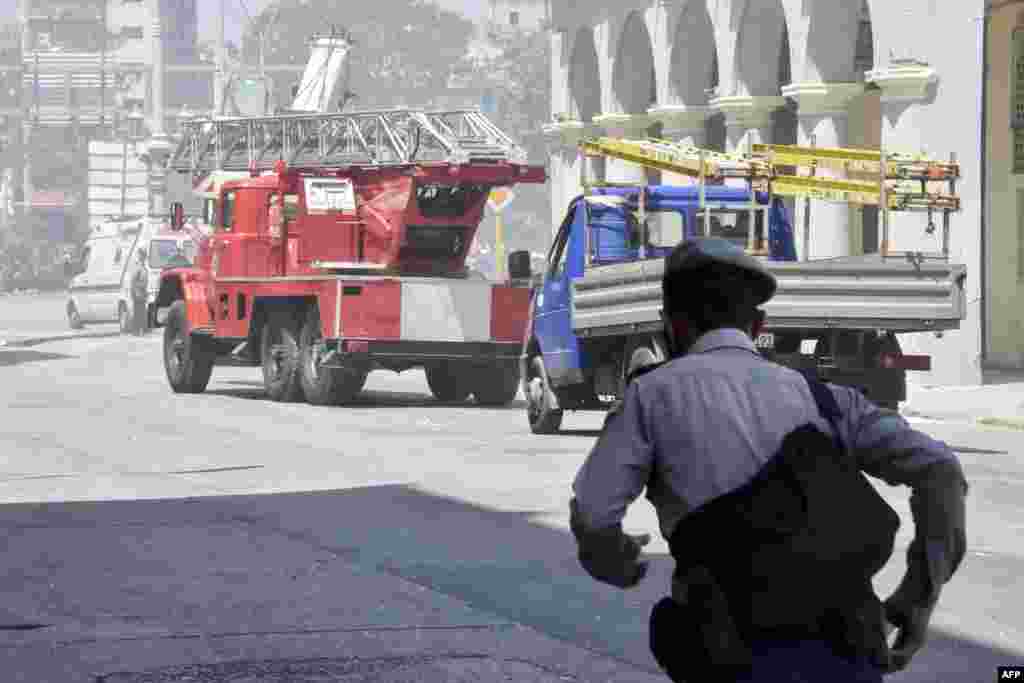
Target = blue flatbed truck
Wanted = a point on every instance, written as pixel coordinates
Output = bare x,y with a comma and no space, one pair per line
594,314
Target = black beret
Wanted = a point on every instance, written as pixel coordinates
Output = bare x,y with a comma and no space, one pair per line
715,265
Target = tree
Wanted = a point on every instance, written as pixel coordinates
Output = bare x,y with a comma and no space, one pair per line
515,71
403,50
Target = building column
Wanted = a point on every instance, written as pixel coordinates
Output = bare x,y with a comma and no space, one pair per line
630,127
748,119
565,163
684,125
822,114
904,86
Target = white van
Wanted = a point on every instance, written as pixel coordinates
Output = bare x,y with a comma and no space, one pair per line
101,292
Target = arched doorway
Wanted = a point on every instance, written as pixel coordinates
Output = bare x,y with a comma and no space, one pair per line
693,64
635,90
764,66
584,77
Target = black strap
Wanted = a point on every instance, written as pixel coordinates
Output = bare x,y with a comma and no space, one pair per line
826,402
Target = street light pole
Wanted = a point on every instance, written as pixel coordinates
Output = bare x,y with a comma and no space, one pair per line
159,148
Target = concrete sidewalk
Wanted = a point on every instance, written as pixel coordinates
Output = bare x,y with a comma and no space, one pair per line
995,405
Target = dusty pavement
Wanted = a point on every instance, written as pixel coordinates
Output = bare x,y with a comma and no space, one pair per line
230,536
29,319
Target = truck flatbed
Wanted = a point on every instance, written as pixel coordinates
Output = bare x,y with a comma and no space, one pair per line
855,293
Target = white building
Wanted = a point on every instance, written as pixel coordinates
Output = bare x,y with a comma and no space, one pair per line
855,73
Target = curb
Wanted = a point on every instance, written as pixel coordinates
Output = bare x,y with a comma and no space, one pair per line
1002,422
26,342
1016,423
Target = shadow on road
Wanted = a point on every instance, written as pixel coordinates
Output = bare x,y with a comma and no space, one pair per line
120,558
589,433
10,357
371,398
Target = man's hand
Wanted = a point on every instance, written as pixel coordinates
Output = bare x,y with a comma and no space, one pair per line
911,621
615,561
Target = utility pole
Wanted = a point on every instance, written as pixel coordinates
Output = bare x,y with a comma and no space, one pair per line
159,147
221,67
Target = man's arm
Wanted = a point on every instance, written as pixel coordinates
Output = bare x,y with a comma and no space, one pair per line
887,447
613,476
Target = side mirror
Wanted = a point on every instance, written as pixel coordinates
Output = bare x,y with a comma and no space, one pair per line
519,266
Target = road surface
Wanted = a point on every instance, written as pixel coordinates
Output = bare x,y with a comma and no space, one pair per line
28,316
186,535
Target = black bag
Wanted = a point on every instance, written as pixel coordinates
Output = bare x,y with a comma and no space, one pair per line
791,553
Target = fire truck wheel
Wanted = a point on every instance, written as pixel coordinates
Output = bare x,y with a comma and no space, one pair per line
324,386
187,360
496,386
541,404
447,382
279,350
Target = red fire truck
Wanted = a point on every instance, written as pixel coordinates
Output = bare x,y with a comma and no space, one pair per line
344,251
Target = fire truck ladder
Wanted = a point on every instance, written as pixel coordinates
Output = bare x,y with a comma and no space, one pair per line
902,183
389,137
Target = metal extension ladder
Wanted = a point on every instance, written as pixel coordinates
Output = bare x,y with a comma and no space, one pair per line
379,138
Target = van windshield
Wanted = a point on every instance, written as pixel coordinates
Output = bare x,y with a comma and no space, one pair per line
167,254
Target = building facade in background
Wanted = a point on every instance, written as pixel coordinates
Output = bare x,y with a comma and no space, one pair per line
1004,165
850,73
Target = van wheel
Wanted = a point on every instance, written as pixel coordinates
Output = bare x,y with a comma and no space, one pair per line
74,319
542,411
496,386
279,350
323,385
124,318
188,361
447,382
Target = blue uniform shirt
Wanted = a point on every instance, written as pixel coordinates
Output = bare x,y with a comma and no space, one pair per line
705,423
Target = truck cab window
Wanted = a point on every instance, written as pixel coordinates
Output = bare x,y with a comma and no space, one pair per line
734,226
228,212
665,229
559,250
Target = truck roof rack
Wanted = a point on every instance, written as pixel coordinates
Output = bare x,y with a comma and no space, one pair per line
373,139
902,183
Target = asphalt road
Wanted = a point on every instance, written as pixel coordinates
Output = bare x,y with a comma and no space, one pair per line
192,534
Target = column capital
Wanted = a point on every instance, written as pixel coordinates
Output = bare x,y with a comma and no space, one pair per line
904,80
747,110
679,118
624,125
564,133
822,99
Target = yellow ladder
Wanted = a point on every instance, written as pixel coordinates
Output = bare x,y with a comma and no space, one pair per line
893,182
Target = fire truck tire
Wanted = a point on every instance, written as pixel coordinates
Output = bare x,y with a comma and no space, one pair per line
324,386
541,403
279,352
496,386
447,382
187,360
